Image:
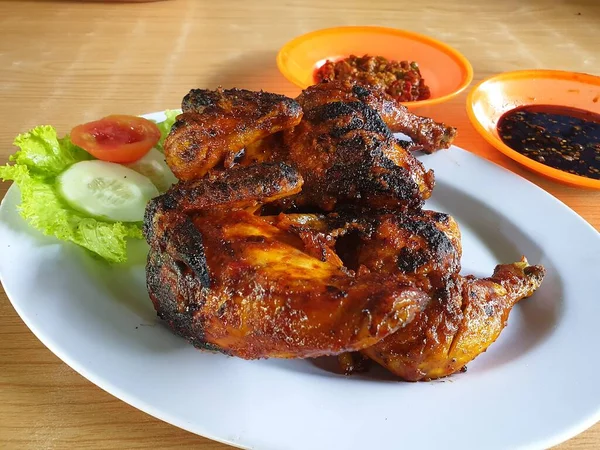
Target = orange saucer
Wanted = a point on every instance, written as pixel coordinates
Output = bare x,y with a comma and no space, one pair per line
446,71
501,93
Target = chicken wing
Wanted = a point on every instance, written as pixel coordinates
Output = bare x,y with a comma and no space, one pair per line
231,281
427,134
215,126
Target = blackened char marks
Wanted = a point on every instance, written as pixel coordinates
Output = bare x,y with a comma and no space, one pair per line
436,239
365,171
360,91
398,180
177,124
176,295
440,217
191,151
167,289
426,134
437,244
348,117
410,260
360,182
172,231
248,185
199,100
187,242
372,120
216,125
355,142
153,208
259,182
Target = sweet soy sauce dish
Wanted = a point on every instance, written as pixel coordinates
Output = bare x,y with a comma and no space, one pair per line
561,137
548,121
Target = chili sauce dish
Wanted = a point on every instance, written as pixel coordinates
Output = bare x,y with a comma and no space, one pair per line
415,69
546,120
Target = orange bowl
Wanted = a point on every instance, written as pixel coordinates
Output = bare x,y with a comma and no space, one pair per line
501,93
446,71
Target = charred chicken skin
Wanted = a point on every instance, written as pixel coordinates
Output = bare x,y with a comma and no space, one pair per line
347,155
232,281
216,125
427,134
464,316
343,149
297,231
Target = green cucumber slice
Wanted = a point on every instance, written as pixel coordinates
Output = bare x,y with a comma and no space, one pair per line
106,190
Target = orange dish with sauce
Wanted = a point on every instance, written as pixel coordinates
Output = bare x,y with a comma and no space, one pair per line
446,71
400,79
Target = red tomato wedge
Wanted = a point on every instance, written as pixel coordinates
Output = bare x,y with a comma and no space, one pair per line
117,138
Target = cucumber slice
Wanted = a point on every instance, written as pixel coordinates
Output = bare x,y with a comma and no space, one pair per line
153,166
106,190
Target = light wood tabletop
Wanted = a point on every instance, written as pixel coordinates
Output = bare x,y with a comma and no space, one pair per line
63,63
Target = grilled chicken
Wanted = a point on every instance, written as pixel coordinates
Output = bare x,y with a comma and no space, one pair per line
297,231
465,316
422,249
215,126
343,150
231,281
427,134
346,154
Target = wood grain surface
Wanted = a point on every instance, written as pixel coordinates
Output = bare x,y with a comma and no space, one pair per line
63,63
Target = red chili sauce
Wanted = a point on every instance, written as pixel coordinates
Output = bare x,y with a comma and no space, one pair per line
558,136
400,79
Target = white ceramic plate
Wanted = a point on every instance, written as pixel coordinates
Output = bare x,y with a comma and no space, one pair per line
535,387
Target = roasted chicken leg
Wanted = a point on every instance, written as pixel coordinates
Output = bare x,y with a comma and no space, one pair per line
422,249
463,319
465,314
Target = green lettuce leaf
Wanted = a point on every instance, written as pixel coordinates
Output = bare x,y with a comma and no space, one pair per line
44,153
165,126
42,156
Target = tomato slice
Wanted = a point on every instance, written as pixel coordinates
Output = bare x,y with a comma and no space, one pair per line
117,138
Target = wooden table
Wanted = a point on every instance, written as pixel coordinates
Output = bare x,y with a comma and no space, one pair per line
63,63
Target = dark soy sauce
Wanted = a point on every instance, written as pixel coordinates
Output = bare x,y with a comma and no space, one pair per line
558,136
